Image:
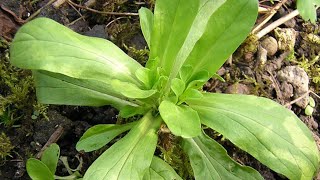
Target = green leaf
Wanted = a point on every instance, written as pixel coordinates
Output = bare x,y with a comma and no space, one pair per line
131,90
37,170
209,160
130,157
50,157
146,23
308,9
99,135
43,44
198,33
53,88
143,75
269,132
177,86
181,120
160,170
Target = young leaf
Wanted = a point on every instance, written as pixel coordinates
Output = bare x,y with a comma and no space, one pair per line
197,33
308,9
181,120
50,157
37,170
266,130
43,44
130,157
143,75
177,86
53,88
99,135
146,23
209,160
131,90
160,170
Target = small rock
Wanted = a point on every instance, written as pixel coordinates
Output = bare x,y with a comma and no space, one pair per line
238,88
286,38
270,44
299,80
286,89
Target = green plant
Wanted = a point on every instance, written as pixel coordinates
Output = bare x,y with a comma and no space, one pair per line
308,9
45,168
5,146
189,41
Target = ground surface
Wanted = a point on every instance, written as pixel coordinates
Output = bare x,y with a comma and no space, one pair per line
25,126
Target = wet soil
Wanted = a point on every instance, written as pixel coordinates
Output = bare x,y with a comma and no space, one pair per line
29,126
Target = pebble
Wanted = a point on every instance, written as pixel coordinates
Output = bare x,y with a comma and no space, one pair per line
299,80
270,44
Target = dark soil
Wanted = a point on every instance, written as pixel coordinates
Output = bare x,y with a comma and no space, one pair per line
28,125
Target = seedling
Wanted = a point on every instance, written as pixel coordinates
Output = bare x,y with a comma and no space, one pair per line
45,168
189,41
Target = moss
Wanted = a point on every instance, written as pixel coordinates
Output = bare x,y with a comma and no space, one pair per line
5,146
17,90
173,154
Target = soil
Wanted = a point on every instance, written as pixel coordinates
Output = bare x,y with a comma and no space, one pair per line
26,126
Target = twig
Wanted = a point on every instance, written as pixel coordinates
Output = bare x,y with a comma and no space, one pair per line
277,23
273,11
102,12
316,95
39,10
53,139
298,99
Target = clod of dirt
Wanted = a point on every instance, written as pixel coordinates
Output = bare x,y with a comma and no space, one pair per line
270,44
299,80
238,88
310,122
44,128
287,90
97,31
7,26
286,38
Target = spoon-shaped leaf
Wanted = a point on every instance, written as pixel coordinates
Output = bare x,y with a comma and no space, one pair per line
130,157
263,128
209,160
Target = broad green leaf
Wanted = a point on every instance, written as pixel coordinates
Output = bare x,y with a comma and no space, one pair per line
269,132
130,157
308,9
131,90
146,23
99,135
50,157
160,170
37,170
227,27
198,33
177,86
181,120
55,88
43,44
209,160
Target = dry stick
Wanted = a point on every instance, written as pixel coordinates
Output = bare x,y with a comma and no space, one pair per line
298,99
39,10
277,23
272,13
53,139
102,12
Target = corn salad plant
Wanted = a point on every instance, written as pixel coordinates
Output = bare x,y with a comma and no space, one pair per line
189,41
